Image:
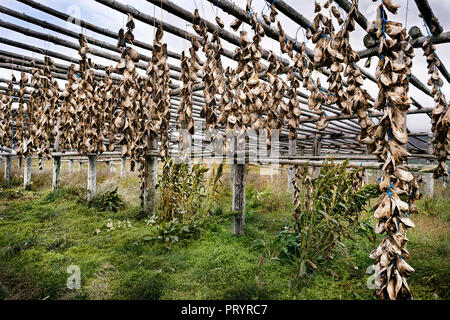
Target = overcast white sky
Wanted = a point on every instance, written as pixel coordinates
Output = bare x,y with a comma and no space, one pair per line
91,11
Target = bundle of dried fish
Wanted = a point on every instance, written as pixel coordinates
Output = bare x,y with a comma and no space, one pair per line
47,105
390,137
244,108
440,117
256,93
305,176
277,109
189,68
109,106
158,105
212,75
69,117
230,108
22,135
296,198
89,106
127,94
294,112
6,117
355,99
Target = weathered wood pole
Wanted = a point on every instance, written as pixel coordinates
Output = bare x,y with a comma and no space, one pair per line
428,180
8,169
56,173
27,172
92,176
71,167
291,171
238,206
150,178
56,162
316,152
316,146
123,167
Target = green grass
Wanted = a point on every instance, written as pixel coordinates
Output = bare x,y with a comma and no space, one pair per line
42,233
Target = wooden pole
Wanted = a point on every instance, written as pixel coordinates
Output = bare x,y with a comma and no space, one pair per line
89,26
123,167
8,169
71,167
56,173
428,15
27,172
428,180
150,179
316,146
57,160
92,176
316,152
238,206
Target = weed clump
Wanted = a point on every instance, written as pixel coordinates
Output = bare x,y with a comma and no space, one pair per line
107,201
328,211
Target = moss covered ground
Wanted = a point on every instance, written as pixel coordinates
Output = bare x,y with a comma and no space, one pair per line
42,233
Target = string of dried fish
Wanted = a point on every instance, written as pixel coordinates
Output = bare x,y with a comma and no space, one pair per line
22,131
7,115
69,134
47,112
397,184
440,116
125,120
212,71
355,99
158,88
90,106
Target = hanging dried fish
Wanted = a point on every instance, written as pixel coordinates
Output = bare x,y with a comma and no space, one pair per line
388,143
7,115
440,116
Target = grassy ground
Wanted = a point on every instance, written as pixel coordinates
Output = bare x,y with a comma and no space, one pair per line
43,233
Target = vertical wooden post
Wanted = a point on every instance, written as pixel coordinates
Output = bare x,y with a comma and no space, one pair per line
316,146
428,180
150,178
92,176
27,173
123,167
71,167
238,206
316,152
291,171
8,169
56,161
56,173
